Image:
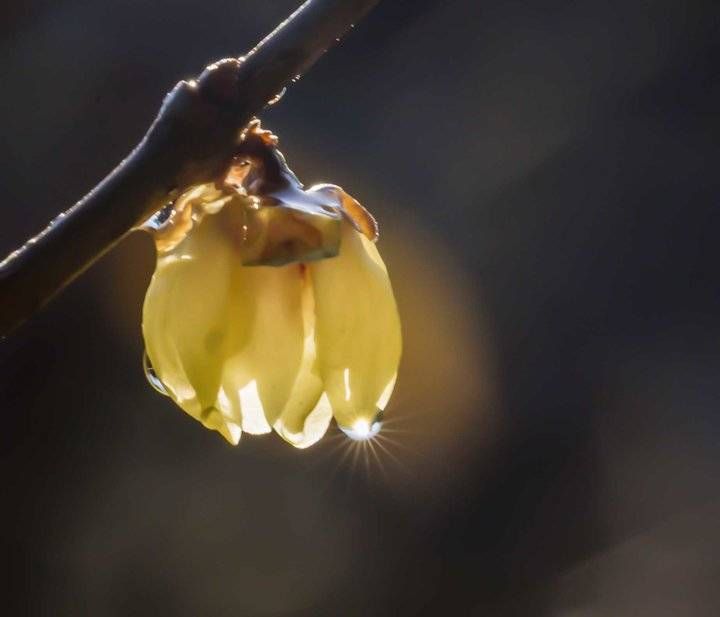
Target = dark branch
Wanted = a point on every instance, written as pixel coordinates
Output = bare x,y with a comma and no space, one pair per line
191,141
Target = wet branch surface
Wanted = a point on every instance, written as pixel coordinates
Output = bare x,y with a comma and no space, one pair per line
191,141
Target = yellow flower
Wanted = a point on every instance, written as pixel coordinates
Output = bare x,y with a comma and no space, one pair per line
270,306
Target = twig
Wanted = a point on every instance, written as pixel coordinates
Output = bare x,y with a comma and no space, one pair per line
191,141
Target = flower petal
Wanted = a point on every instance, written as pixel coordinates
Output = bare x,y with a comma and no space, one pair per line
184,318
357,329
307,414
349,207
266,350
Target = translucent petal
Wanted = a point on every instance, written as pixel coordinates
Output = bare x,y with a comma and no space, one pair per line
357,329
184,323
266,346
314,426
347,206
307,414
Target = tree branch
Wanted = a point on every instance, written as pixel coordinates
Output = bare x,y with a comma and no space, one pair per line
191,141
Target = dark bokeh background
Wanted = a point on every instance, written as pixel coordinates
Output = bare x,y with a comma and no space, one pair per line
547,176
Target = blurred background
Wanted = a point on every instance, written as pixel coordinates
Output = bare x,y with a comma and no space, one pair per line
546,178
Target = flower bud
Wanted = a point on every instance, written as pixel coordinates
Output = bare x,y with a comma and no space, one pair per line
270,306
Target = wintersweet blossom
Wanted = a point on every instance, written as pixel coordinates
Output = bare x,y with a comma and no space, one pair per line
270,306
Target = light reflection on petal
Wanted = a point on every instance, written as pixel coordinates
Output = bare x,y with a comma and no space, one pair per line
253,414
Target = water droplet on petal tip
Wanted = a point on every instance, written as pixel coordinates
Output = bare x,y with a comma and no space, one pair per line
152,377
362,429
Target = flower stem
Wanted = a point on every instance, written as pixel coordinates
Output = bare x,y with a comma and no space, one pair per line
190,142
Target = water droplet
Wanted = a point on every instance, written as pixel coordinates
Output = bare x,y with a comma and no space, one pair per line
362,429
157,220
277,97
152,377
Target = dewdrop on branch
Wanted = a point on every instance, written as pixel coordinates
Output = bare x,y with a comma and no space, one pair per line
270,306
